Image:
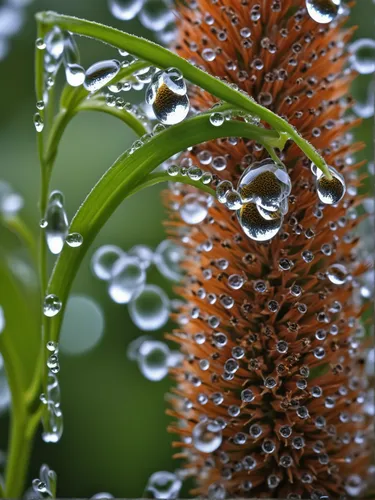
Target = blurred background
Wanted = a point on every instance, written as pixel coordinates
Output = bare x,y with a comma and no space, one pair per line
115,424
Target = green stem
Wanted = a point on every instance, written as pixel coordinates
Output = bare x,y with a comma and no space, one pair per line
162,58
18,227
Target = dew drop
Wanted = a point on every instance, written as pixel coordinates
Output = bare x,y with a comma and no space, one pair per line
208,54
216,119
100,74
323,11
362,56
38,122
74,240
143,253
167,258
54,41
127,280
40,44
164,485
124,10
52,305
235,281
153,358
255,226
57,222
150,309
207,436
222,190
103,260
156,15
52,420
75,75
167,93
337,274
193,209
331,191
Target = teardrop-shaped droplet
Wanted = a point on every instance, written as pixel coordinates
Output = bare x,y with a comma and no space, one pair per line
104,259
71,52
153,358
167,258
54,41
100,74
164,485
207,436
362,57
167,93
124,10
330,191
323,11
52,305
150,309
127,280
38,122
75,74
57,223
52,421
255,226
156,14
74,240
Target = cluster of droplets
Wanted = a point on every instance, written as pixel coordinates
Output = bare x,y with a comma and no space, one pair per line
126,275
155,15
52,418
45,485
12,19
10,201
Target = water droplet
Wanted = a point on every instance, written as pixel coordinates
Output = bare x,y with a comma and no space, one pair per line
331,191
144,255
167,258
100,74
156,14
127,280
337,274
222,190
362,56
219,163
2,319
57,222
233,200
354,485
75,75
255,226
103,260
167,94
216,119
235,281
52,305
150,309
193,209
74,240
153,358
38,122
40,44
52,420
54,41
124,10
195,173
208,54
164,485
102,496
207,436
323,11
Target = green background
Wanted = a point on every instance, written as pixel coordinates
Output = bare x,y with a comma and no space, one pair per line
115,424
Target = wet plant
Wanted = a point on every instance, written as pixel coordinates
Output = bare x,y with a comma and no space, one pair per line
250,130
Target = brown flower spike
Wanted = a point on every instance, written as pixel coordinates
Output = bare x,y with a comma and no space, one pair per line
273,370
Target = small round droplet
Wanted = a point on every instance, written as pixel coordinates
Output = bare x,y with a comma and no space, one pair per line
216,119
100,74
323,11
235,281
40,44
124,10
164,485
74,240
167,258
103,260
207,436
52,305
193,209
362,56
330,191
127,280
150,309
153,358
337,274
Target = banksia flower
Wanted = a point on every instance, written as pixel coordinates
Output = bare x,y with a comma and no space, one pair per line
270,396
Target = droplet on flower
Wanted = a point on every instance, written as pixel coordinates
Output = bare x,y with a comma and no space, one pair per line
74,240
362,57
153,358
337,274
330,191
127,280
167,258
255,226
265,184
57,222
100,74
150,309
207,436
167,93
323,11
164,485
52,305
103,260
193,209
124,10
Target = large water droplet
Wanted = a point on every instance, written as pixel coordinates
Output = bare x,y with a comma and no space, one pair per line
193,209
57,222
167,94
207,436
323,11
100,74
156,14
331,191
75,74
52,424
167,258
74,240
52,305
150,309
164,485
362,57
103,260
54,41
153,359
124,10
83,326
265,184
127,280
257,227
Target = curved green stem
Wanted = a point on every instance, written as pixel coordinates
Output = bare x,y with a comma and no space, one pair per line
162,58
20,229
